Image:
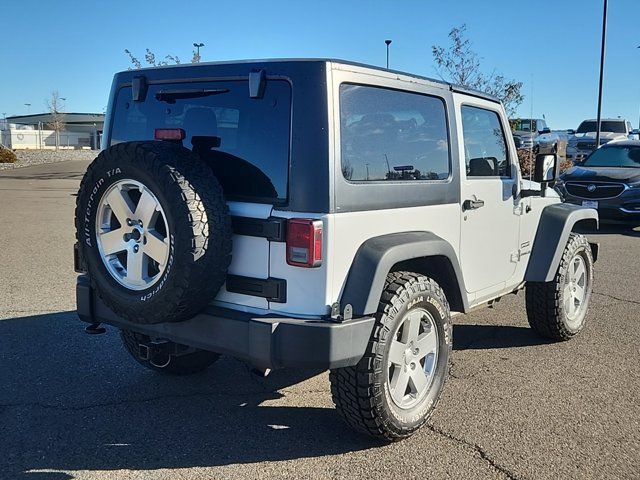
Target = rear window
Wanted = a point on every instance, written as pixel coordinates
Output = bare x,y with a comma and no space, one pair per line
590,126
244,140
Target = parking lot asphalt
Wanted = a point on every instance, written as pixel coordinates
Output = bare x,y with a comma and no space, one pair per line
516,406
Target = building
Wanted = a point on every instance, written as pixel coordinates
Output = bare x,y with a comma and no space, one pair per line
79,131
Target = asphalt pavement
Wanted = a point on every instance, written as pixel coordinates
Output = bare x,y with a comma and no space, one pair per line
516,406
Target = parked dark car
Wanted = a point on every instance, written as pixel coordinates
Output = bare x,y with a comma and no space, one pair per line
608,180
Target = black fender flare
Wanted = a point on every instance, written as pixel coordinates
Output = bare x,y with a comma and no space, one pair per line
376,257
555,226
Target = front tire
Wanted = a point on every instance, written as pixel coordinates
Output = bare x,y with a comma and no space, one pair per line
394,388
558,309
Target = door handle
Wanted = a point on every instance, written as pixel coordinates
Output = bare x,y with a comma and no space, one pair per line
472,204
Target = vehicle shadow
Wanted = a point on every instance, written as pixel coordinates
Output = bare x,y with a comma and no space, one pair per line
481,337
71,401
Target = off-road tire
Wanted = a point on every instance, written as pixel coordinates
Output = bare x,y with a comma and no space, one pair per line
185,364
198,221
360,393
545,300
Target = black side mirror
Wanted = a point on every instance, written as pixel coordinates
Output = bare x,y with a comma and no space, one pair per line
545,130
571,132
546,170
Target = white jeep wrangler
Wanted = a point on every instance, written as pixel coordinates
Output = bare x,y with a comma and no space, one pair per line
318,213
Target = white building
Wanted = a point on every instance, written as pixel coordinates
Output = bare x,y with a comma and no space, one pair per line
80,131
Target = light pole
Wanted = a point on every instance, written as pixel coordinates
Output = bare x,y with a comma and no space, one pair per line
28,105
602,50
198,45
639,114
387,42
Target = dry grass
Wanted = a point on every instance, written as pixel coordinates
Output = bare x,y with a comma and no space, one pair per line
7,156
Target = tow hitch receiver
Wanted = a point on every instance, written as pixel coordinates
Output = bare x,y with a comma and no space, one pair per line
159,352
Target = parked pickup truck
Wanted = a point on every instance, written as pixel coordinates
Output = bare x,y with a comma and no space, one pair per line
534,133
583,141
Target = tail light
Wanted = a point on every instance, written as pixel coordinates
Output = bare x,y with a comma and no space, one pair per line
169,134
304,242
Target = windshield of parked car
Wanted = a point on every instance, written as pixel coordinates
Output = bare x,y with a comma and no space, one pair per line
622,157
607,126
524,125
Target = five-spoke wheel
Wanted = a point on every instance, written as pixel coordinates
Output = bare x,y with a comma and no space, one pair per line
413,353
575,288
132,234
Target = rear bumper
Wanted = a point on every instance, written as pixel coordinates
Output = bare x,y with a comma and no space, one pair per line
263,341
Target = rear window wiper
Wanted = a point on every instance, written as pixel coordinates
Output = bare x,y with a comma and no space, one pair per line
170,96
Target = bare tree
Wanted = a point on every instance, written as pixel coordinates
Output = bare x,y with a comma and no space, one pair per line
150,59
459,64
57,123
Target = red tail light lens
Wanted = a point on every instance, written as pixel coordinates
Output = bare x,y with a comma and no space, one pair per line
304,242
168,134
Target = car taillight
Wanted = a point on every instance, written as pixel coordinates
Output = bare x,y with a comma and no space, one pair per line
169,134
304,242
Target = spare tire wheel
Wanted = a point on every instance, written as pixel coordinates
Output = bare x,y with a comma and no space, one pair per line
153,230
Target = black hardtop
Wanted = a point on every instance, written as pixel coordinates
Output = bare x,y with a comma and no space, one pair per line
284,66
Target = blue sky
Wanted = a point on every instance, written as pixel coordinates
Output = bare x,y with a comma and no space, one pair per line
75,46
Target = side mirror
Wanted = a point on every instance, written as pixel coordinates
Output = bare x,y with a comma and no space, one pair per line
545,130
546,170
571,131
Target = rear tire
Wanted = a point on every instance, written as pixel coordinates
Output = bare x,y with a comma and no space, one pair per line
558,309
185,364
394,388
153,230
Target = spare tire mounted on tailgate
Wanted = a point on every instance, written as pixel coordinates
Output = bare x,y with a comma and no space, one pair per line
154,231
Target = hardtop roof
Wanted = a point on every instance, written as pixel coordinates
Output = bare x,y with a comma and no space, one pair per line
373,68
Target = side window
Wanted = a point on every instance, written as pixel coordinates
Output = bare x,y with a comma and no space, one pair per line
392,135
485,147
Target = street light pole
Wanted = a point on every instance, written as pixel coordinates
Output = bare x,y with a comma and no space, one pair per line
602,50
639,113
28,105
388,42
198,45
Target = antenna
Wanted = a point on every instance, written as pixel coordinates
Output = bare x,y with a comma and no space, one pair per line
531,159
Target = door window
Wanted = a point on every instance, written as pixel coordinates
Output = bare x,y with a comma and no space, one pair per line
485,146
